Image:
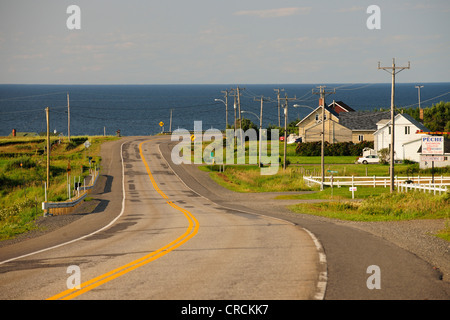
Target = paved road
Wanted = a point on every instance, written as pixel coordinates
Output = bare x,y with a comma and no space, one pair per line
162,241
349,251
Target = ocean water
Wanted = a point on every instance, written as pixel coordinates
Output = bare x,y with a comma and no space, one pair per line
138,109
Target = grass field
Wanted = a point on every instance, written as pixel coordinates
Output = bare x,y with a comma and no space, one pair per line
23,173
372,204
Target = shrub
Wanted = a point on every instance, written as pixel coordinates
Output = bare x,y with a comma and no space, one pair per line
14,211
332,149
26,162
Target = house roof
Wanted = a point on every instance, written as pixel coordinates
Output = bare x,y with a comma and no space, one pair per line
362,120
413,121
342,105
334,113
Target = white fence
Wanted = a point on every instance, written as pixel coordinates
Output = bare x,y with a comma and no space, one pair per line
435,188
399,181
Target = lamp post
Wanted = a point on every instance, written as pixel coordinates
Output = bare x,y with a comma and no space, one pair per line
260,127
226,111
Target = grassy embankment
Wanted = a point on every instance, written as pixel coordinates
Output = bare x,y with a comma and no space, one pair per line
23,164
372,204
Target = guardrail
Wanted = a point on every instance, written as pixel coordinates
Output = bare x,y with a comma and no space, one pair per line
66,207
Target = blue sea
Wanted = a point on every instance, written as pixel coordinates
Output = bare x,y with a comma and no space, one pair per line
139,109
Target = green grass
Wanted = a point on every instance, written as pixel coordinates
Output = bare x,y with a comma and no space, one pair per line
249,179
384,207
337,193
22,176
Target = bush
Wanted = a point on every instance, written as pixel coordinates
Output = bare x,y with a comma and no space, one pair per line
75,142
26,162
13,212
333,149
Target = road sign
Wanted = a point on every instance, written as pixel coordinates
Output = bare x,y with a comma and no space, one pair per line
161,124
432,158
192,137
353,189
433,145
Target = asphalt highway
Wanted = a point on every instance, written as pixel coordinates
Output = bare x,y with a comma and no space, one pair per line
159,231
150,236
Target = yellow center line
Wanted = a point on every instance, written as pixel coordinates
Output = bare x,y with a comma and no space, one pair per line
113,274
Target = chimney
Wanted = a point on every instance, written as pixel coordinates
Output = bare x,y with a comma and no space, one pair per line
13,132
321,102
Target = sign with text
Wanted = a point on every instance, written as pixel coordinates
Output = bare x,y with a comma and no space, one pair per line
433,158
433,145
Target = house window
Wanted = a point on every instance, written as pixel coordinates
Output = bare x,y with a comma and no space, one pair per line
390,129
407,130
317,117
361,138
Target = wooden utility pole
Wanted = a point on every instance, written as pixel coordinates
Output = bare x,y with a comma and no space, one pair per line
48,148
278,99
226,108
68,117
393,71
285,126
322,94
420,109
262,99
170,122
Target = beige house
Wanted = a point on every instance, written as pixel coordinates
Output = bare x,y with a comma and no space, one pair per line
310,127
342,124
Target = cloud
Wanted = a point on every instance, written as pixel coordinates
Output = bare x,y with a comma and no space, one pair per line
275,13
351,9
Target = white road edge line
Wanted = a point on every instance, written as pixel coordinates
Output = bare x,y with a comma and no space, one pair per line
88,235
323,274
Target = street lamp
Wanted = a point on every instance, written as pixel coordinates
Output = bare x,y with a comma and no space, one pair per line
260,128
226,111
301,105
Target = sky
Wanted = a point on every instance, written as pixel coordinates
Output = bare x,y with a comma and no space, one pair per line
222,42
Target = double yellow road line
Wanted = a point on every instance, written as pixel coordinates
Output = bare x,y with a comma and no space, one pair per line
190,232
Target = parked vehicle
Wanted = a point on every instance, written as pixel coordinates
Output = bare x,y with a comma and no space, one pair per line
368,159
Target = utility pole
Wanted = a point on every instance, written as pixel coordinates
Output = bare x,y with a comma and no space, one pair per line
170,122
234,106
226,108
278,99
285,126
322,94
420,109
262,99
393,71
68,117
48,150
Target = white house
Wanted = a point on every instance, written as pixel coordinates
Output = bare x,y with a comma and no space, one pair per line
407,141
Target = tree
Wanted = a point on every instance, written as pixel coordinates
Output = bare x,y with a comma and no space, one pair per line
384,155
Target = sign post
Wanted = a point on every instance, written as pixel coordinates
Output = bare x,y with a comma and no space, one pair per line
433,146
353,189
